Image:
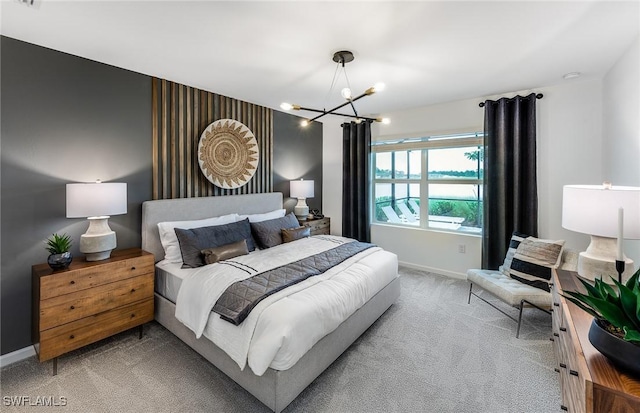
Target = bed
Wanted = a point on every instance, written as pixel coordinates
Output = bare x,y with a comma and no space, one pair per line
276,387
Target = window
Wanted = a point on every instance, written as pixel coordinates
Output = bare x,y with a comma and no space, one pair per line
438,177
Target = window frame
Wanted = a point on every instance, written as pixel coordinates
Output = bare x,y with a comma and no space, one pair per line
467,138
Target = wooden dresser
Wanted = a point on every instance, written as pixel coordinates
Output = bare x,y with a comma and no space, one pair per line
588,381
90,301
320,226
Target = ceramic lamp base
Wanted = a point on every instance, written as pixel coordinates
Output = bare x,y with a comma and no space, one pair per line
99,239
301,210
599,260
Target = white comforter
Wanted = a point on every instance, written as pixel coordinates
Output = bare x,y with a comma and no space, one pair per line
285,325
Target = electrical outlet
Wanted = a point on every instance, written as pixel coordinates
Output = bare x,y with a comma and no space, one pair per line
462,249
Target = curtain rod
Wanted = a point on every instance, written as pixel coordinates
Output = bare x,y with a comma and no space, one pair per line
538,96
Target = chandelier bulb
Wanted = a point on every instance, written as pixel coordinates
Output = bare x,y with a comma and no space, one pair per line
379,87
346,93
304,123
289,106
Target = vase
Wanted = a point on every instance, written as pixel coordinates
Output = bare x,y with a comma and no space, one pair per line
59,261
623,354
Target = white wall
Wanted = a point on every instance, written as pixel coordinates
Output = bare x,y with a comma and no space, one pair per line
332,171
570,151
621,128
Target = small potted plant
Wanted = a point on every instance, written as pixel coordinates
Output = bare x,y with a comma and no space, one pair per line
58,247
615,330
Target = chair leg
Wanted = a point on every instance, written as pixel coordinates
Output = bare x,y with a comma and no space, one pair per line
532,305
470,288
520,319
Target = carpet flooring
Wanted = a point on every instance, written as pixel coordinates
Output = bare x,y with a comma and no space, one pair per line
430,352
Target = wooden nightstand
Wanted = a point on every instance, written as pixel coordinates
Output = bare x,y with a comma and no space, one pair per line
320,226
90,301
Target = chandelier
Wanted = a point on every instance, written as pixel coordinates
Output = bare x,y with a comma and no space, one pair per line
341,58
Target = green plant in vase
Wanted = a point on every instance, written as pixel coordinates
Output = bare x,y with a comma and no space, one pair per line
59,255
615,330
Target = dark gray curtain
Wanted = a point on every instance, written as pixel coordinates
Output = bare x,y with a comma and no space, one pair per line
356,154
510,184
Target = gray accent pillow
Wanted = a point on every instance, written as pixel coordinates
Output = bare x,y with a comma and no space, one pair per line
236,249
269,233
293,234
193,241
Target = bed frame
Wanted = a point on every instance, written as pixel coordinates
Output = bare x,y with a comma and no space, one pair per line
275,388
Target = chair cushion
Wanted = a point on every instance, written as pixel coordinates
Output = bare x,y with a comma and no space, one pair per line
507,289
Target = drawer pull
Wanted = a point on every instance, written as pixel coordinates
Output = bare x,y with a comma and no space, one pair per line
557,370
564,366
563,328
573,373
556,335
133,268
133,290
551,339
563,407
72,282
72,308
71,337
133,315
556,304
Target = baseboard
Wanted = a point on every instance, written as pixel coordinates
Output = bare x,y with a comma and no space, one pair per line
440,271
16,356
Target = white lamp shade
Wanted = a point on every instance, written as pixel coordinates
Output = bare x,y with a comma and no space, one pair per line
593,210
301,189
96,199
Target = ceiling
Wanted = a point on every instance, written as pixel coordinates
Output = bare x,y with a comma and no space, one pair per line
267,52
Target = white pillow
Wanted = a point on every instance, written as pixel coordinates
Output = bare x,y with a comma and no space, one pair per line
278,213
169,239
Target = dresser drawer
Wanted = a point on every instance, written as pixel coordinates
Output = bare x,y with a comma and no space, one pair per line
91,276
70,307
556,305
70,336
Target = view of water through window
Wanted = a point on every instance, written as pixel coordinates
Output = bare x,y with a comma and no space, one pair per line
450,191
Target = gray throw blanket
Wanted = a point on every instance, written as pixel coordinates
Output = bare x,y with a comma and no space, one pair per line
241,297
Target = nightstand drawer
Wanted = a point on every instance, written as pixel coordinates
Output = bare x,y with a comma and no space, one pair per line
70,307
89,276
70,336
318,226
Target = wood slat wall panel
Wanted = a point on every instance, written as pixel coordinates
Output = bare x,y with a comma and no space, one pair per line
180,114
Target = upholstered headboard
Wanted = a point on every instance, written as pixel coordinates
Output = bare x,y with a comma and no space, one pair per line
184,209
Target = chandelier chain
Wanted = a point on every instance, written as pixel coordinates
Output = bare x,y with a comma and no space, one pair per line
333,82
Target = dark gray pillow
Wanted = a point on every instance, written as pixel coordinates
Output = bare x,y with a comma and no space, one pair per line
293,234
225,252
269,233
193,241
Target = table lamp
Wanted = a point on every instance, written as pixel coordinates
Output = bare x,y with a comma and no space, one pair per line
302,190
96,202
609,214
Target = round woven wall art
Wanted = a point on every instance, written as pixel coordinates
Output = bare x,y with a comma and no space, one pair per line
228,153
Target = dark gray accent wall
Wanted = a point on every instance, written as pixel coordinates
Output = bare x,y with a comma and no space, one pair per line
297,153
64,119
68,119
